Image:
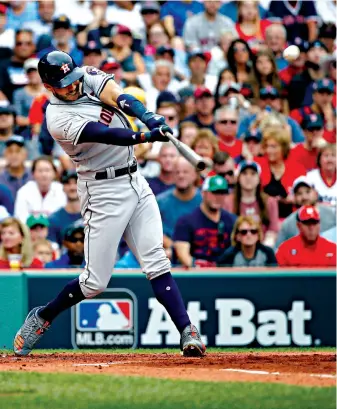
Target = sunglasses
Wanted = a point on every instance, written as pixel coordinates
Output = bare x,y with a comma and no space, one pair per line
228,121
244,232
310,222
314,129
76,239
20,43
265,97
240,49
170,117
228,173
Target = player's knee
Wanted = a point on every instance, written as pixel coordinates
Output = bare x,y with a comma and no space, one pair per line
90,290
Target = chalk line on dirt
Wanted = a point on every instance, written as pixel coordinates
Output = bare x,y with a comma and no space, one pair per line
254,372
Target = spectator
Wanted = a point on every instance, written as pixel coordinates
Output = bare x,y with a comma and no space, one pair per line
111,66
70,213
327,34
276,39
250,200
188,132
12,74
299,18
7,124
6,202
176,57
186,102
223,165
251,146
62,39
43,251
201,236
322,104
231,10
300,88
42,194
296,66
16,247
247,249
240,59
42,25
7,35
167,157
169,110
264,73
219,54
197,63
324,178
74,243
226,91
204,29
249,26
329,69
308,249
181,200
38,226
176,13
21,12
226,76
92,54
305,195
278,170
226,126
132,62
15,174
150,11
23,97
205,145
204,105
306,152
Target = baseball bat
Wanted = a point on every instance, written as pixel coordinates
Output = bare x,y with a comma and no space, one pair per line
188,153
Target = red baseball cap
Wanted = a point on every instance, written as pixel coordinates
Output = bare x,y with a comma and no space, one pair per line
3,9
201,92
120,29
307,213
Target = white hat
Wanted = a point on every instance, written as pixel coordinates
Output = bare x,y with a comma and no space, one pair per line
31,63
301,180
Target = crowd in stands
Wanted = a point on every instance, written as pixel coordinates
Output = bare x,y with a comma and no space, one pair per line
264,122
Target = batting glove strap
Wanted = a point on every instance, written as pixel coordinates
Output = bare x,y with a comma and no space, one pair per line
152,120
158,134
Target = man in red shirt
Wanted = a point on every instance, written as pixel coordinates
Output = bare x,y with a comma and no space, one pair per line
226,127
306,153
307,249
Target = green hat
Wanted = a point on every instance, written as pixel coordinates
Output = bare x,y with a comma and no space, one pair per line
38,220
215,184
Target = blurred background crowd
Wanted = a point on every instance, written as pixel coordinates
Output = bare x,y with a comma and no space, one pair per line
263,119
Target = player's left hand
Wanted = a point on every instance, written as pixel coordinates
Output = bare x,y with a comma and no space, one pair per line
152,120
158,134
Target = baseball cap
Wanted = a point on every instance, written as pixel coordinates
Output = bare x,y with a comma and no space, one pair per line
252,134
269,92
312,121
324,84
7,109
185,93
165,49
120,29
202,92
317,44
61,21
149,6
166,96
301,44
3,9
39,220
71,230
215,184
31,64
17,139
110,64
92,46
248,164
307,213
226,87
301,181
327,30
67,175
205,55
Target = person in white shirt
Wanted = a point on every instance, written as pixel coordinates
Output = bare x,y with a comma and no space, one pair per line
324,178
43,195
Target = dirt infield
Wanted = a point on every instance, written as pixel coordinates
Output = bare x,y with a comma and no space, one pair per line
309,369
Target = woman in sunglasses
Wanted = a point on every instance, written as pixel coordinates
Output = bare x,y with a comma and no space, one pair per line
247,249
250,200
240,60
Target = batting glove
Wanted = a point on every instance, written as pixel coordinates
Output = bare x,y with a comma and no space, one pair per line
158,134
152,120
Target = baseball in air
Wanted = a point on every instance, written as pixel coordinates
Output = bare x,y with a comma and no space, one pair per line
291,53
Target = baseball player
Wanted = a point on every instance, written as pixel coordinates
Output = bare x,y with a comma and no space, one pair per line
86,116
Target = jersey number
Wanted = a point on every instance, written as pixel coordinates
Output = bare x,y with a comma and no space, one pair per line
106,116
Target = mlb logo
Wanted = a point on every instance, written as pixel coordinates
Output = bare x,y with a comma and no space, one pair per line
104,315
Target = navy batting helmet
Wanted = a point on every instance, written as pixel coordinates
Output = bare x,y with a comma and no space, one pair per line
58,69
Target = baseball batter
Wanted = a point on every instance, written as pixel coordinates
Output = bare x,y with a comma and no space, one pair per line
86,117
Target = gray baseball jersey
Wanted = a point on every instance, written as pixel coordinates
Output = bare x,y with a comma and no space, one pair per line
66,120
114,207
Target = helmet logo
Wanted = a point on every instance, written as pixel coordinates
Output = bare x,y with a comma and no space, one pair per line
65,68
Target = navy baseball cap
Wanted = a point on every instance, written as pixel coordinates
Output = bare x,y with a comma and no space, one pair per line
165,49
166,96
92,46
17,139
61,21
71,230
7,109
269,92
327,30
248,164
301,44
185,93
324,84
312,121
317,44
67,175
252,134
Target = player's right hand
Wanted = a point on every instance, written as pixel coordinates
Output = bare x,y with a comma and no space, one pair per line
158,134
